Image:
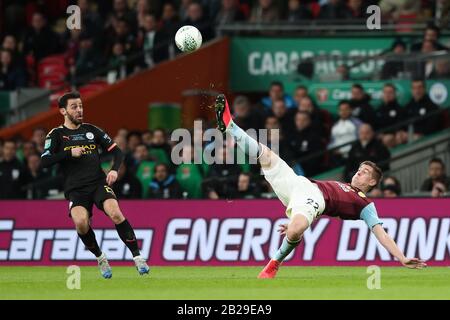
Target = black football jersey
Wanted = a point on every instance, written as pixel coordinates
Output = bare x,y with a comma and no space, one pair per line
85,170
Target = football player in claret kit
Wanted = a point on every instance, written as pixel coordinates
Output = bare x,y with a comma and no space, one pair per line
75,146
306,199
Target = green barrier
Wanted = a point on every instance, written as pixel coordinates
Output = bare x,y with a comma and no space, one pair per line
164,115
328,94
256,62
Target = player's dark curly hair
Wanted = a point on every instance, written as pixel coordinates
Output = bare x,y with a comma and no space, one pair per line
62,101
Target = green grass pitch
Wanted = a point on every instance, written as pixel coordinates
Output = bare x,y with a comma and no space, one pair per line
187,283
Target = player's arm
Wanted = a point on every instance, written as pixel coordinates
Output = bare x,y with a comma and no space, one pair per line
370,216
52,154
110,146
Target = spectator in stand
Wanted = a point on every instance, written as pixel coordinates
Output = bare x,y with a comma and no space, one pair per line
300,93
35,176
343,72
132,141
441,69
88,58
390,191
304,141
12,173
276,135
265,11
90,20
284,115
391,187
28,149
169,23
152,40
183,9
245,188
421,106
147,137
119,70
334,10
389,114
40,41
366,148
361,107
12,75
196,17
127,185
222,175
431,33
357,10
439,189
164,185
140,154
394,9
10,43
276,92
228,13
244,116
121,11
318,121
122,32
375,193
436,173
345,130
423,68
189,175
38,137
159,148
143,8
298,11
394,65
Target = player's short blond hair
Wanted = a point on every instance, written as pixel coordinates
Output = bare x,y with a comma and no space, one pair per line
377,173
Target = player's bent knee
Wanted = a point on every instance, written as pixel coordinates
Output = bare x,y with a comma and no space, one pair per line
297,226
117,217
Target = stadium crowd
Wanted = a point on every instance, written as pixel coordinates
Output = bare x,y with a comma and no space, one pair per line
112,31
304,129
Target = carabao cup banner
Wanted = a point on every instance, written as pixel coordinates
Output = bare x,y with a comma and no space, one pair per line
221,233
256,62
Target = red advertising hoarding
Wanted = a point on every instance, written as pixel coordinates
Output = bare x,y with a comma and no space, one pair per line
221,233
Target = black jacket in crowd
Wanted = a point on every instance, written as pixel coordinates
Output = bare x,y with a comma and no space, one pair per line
12,179
423,107
389,114
304,143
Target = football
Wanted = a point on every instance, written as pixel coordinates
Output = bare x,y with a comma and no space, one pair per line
188,38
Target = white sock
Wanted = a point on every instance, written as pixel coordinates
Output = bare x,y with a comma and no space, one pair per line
245,142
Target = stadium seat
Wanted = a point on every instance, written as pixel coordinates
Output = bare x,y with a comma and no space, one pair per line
52,82
46,69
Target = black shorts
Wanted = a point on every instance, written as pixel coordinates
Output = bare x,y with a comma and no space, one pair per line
87,196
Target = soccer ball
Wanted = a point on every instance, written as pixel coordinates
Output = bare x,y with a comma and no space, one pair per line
188,38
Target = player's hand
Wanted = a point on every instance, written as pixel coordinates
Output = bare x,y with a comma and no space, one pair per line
77,152
283,228
414,263
111,177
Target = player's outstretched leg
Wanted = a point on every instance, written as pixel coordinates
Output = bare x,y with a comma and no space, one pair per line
294,233
80,217
126,234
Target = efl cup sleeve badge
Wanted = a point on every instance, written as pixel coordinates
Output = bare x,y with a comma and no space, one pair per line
361,194
90,135
48,143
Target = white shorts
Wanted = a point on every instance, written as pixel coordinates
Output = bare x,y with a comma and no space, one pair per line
298,194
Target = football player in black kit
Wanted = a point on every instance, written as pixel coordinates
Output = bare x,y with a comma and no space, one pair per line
74,145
